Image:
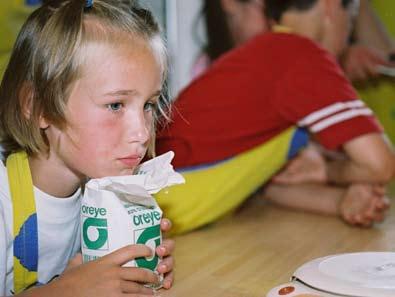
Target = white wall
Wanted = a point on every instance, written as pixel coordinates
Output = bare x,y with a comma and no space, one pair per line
178,18
181,17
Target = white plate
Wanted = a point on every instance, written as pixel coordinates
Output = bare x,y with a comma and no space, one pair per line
367,274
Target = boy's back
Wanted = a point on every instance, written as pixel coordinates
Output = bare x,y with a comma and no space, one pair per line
258,90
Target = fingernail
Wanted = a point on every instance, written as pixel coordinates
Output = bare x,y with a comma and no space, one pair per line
162,250
167,284
162,267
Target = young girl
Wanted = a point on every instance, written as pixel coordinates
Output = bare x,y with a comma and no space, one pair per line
79,99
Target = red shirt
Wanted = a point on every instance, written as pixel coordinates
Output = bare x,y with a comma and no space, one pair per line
257,91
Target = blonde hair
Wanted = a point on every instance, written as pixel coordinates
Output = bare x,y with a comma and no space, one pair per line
48,58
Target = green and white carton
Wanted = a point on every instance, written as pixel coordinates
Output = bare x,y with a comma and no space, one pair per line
118,211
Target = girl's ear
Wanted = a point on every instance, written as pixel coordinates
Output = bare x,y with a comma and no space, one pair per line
26,102
26,94
43,123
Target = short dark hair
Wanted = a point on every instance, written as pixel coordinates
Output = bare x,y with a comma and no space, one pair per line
219,38
274,9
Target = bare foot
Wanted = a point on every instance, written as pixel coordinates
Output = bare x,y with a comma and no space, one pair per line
364,204
308,166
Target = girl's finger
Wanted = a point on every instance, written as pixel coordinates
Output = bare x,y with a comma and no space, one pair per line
126,254
166,265
141,275
166,248
165,225
129,287
168,280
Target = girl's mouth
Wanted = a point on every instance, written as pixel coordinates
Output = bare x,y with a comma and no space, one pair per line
131,161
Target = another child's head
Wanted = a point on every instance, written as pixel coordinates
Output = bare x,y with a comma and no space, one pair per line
230,23
83,86
326,21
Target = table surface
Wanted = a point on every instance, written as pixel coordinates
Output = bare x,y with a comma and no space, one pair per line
261,245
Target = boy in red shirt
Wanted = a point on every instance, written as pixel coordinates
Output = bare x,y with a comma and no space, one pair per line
236,125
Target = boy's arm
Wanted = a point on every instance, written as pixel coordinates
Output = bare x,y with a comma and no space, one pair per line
371,47
370,159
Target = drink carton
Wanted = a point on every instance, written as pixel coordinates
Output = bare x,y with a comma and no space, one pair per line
119,211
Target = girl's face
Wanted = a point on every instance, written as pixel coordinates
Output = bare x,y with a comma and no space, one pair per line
339,30
245,19
109,112
253,20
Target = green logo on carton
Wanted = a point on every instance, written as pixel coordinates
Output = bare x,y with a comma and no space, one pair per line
95,233
149,234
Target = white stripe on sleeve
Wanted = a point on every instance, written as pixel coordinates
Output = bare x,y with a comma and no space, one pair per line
340,117
328,110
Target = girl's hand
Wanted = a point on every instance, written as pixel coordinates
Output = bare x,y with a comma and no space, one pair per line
106,277
76,261
164,251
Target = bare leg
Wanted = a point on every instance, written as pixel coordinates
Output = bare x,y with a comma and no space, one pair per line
358,204
317,198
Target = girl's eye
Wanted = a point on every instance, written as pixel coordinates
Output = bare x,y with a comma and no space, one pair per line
149,106
115,106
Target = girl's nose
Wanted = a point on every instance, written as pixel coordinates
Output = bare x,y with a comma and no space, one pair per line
139,128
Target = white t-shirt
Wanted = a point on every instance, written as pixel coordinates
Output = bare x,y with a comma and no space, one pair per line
58,233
